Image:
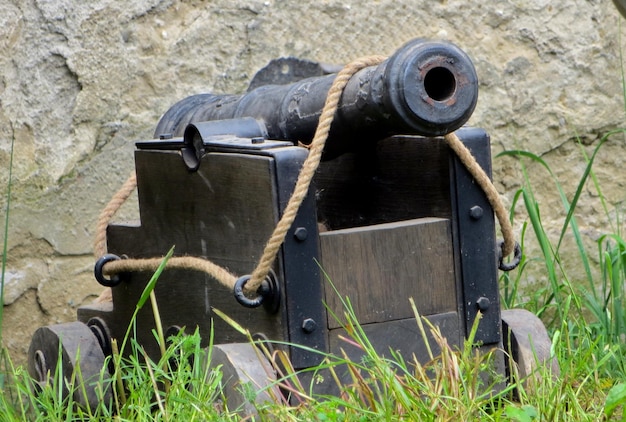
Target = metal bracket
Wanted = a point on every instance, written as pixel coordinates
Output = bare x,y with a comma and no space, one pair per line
303,286
474,240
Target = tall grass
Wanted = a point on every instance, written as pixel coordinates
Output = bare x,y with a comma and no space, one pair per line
5,248
5,244
450,385
590,310
585,310
180,385
193,393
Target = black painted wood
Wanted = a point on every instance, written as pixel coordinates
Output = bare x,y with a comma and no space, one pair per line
225,212
379,267
402,178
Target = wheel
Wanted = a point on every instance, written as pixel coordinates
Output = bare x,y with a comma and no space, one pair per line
74,347
242,363
526,340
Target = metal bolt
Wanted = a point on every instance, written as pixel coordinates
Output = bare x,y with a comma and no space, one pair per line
257,140
476,212
309,325
300,234
483,303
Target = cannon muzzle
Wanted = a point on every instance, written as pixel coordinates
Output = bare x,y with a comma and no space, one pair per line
426,88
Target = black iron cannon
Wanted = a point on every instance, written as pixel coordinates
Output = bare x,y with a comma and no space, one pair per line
392,214
426,88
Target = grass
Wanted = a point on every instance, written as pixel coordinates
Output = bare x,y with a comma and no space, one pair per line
5,248
585,312
450,385
5,244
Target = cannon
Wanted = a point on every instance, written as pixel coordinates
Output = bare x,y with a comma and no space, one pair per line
426,88
392,214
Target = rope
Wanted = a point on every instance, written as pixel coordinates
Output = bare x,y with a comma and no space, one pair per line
310,165
100,242
176,262
484,182
308,168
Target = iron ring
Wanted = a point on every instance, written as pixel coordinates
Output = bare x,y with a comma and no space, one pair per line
242,298
115,279
517,257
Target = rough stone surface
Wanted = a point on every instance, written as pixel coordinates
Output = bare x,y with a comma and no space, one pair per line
80,81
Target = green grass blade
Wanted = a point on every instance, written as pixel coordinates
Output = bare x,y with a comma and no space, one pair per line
234,324
568,206
615,397
5,246
145,295
544,244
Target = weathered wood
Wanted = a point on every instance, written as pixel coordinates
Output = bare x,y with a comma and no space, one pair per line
402,178
70,351
527,342
225,212
402,336
379,267
241,364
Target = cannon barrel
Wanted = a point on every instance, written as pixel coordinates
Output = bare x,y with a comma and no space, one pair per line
426,88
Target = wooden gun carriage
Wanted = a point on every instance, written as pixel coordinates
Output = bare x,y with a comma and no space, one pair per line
392,214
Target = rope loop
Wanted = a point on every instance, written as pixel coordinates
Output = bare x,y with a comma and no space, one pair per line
97,271
517,257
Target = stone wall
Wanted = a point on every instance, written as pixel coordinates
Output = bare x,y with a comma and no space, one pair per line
80,81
